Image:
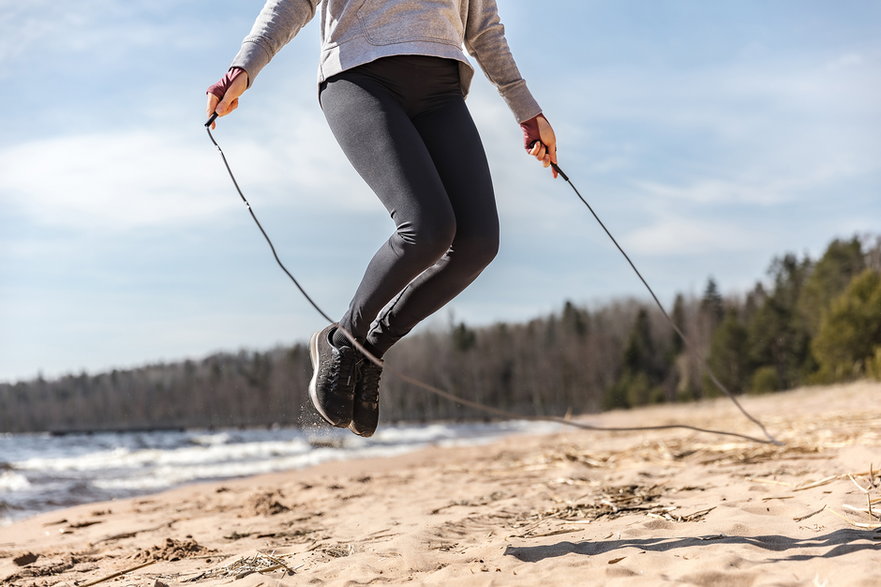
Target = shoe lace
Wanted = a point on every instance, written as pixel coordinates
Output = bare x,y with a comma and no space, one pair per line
342,365
368,382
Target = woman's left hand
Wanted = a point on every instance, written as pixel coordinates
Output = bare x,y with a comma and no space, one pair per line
540,140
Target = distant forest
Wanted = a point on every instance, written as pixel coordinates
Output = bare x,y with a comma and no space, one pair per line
810,321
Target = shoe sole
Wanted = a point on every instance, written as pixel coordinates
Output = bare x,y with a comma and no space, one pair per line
363,434
353,426
313,391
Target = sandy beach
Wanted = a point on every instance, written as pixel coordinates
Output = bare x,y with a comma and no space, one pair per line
566,508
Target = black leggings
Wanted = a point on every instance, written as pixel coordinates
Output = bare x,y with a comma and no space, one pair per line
403,124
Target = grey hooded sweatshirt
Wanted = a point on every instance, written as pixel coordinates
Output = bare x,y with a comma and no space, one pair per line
355,32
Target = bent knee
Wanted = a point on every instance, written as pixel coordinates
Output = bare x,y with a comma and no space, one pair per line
429,240
477,252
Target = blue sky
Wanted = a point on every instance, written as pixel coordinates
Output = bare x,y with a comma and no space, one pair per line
710,136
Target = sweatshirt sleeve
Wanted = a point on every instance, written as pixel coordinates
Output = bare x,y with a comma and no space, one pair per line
278,22
485,40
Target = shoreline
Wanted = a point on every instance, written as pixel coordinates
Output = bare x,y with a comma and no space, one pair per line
630,508
49,475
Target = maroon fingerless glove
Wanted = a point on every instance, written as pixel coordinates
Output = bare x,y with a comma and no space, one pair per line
219,88
531,134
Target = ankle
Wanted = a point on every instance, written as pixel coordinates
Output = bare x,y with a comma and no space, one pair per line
373,350
339,340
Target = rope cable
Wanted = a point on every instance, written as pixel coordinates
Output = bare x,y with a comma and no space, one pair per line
477,405
703,362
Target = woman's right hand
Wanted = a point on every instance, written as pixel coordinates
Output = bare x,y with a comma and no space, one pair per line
540,141
223,96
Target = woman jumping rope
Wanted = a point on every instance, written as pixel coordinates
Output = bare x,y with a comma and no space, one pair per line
393,78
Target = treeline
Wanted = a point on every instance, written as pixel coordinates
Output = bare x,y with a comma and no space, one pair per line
809,322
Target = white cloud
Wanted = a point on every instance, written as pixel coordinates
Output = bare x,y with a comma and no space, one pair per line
729,95
105,30
846,61
776,187
717,191
691,236
124,180
116,181
757,133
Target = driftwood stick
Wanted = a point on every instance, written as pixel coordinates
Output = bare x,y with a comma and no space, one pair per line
117,574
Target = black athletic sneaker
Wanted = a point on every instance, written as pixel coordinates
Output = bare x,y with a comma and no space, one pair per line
332,387
366,409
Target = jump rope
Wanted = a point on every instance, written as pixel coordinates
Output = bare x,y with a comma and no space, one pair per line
769,439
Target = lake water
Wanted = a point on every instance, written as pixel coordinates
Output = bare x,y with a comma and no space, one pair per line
41,472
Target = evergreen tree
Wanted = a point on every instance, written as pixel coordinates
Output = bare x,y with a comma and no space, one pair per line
712,305
640,354
575,319
777,335
678,316
850,333
463,338
642,371
729,356
841,262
